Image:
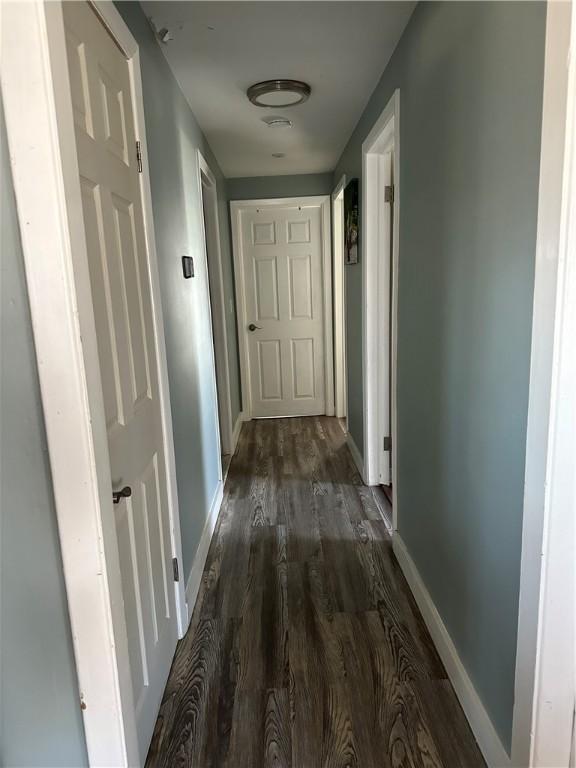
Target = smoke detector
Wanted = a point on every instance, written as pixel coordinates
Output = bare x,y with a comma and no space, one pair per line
278,122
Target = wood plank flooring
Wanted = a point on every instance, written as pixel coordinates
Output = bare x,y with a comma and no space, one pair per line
306,648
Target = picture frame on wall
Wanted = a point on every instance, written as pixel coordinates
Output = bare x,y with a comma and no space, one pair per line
351,223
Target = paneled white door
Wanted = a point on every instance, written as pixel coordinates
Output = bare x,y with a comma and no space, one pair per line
281,251
121,293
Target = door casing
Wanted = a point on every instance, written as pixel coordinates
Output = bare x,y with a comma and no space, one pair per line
213,253
544,692
339,286
379,299
40,127
236,209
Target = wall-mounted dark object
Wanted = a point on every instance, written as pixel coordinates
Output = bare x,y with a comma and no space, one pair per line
351,223
188,266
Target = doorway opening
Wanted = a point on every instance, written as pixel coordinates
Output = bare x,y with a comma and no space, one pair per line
209,197
339,304
380,214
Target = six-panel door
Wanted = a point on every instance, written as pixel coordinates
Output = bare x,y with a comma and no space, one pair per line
283,282
121,294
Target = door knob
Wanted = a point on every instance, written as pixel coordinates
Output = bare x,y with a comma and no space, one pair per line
253,327
123,493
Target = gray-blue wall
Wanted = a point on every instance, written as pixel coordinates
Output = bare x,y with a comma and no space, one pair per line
264,187
40,718
173,136
470,78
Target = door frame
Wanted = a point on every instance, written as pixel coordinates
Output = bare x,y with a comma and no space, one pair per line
236,209
41,138
378,259
545,664
339,301
208,192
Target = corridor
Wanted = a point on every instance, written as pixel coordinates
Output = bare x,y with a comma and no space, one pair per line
306,648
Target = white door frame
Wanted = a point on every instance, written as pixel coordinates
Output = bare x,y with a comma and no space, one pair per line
236,209
376,290
39,119
339,284
213,253
545,665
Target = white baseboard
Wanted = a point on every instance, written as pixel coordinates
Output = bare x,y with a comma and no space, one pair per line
236,431
353,448
195,578
485,733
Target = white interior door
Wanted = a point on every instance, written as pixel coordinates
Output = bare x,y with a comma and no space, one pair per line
282,262
121,293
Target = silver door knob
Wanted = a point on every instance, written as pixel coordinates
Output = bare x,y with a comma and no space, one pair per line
253,327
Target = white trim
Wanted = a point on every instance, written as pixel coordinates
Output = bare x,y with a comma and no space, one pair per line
236,208
339,292
541,434
376,271
328,311
339,187
555,692
353,448
236,431
42,145
213,253
482,727
195,577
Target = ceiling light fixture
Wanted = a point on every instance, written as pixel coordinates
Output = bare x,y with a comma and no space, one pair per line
278,93
278,122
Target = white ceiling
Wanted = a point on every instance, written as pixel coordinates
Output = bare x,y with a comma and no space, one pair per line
220,48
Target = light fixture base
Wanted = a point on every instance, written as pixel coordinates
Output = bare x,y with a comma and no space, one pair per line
278,94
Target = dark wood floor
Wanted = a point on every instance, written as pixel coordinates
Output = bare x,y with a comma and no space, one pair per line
306,648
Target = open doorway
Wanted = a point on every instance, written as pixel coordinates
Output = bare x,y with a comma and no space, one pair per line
217,308
339,304
380,194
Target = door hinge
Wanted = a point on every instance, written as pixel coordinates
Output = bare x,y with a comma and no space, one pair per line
175,569
389,194
387,443
139,157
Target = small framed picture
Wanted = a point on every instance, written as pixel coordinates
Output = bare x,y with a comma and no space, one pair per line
351,223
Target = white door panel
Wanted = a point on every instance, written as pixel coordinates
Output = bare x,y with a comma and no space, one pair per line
281,250
121,293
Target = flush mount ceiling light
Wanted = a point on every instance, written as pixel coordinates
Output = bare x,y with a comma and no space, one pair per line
278,122
278,93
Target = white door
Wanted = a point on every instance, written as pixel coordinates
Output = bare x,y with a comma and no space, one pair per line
118,259
283,325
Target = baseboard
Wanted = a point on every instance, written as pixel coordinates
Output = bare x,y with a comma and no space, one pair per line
353,448
485,733
236,431
195,578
